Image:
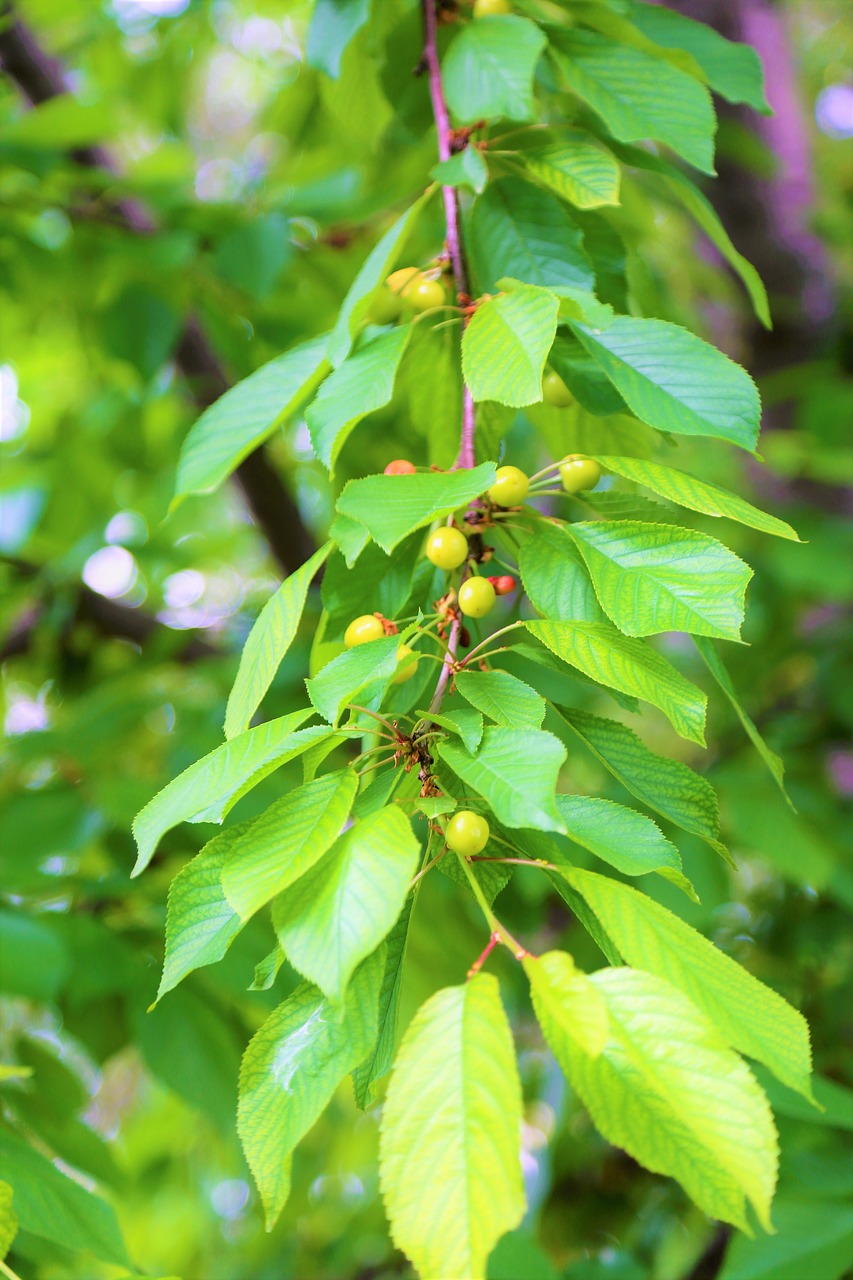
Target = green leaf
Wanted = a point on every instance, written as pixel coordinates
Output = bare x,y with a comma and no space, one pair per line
384,580
367,666
200,923
674,381
505,346
669,787
629,841
290,1070
517,230
338,912
333,25
246,415
450,1164
286,841
668,1091
54,1207
267,970
362,384
586,380
268,642
464,721
714,663
695,494
621,662
35,961
658,577
566,1003
466,168
811,1240
639,97
212,786
576,169
8,1219
733,70
368,1074
392,507
515,770
586,916
555,577
502,697
751,1017
350,537
488,70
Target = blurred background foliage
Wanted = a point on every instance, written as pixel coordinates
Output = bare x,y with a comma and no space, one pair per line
198,172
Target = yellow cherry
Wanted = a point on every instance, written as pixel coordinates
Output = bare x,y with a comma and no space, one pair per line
555,391
476,597
491,8
361,630
407,664
467,833
510,487
447,547
578,472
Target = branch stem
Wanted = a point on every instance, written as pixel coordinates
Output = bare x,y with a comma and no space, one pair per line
498,930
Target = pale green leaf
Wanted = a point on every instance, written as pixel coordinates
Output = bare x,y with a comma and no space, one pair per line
367,667
566,1002
502,697
555,577
333,25
350,537
577,169
290,1070
505,346
695,494
337,913
639,97
8,1219
751,1017
624,663
368,1074
651,578
391,507
209,788
466,168
629,841
267,970
674,381
450,1162
667,1090
268,642
246,415
463,721
517,230
286,840
515,770
362,384
488,70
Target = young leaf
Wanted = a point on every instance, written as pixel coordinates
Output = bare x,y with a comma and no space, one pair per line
286,841
464,721
751,1017
567,1004
623,663
674,381
267,970
268,642
639,97
362,384
450,1163
367,666
333,25
555,577
339,911
517,230
515,770
658,577
502,697
629,841
465,168
209,788
648,1092
290,1070
368,1074
505,345
349,537
392,507
578,170
695,494
246,415
488,70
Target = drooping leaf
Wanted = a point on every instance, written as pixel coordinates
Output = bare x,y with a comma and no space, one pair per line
246,415
209,788
517,230
291,1068
624,663
391,507
629,841
339,911
566,1002
363,383
368,1075
488,70
333,25
506,343
451,1124
578,170
286,841
268,642
367,667
648,1092
750,1016
555,577
515,770
502,697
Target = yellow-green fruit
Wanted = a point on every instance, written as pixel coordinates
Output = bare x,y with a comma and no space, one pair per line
424,295
361,630
578,472
447,547
467,833
510,487
476,597
555,391
491,8
407,664
385,306
398,279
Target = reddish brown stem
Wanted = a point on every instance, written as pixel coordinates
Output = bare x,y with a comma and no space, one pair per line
484,954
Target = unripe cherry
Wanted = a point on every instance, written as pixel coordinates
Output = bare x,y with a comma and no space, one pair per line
400,467
510,487
467,833
504,585
405,668
447,547
398,279
555,391
578,472
491,8
385,306
476,597
363,629
423,294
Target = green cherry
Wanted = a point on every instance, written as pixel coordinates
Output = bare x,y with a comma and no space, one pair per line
578,472
476,597
467,833
361,630
447,547
510,487
555,391
423,294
